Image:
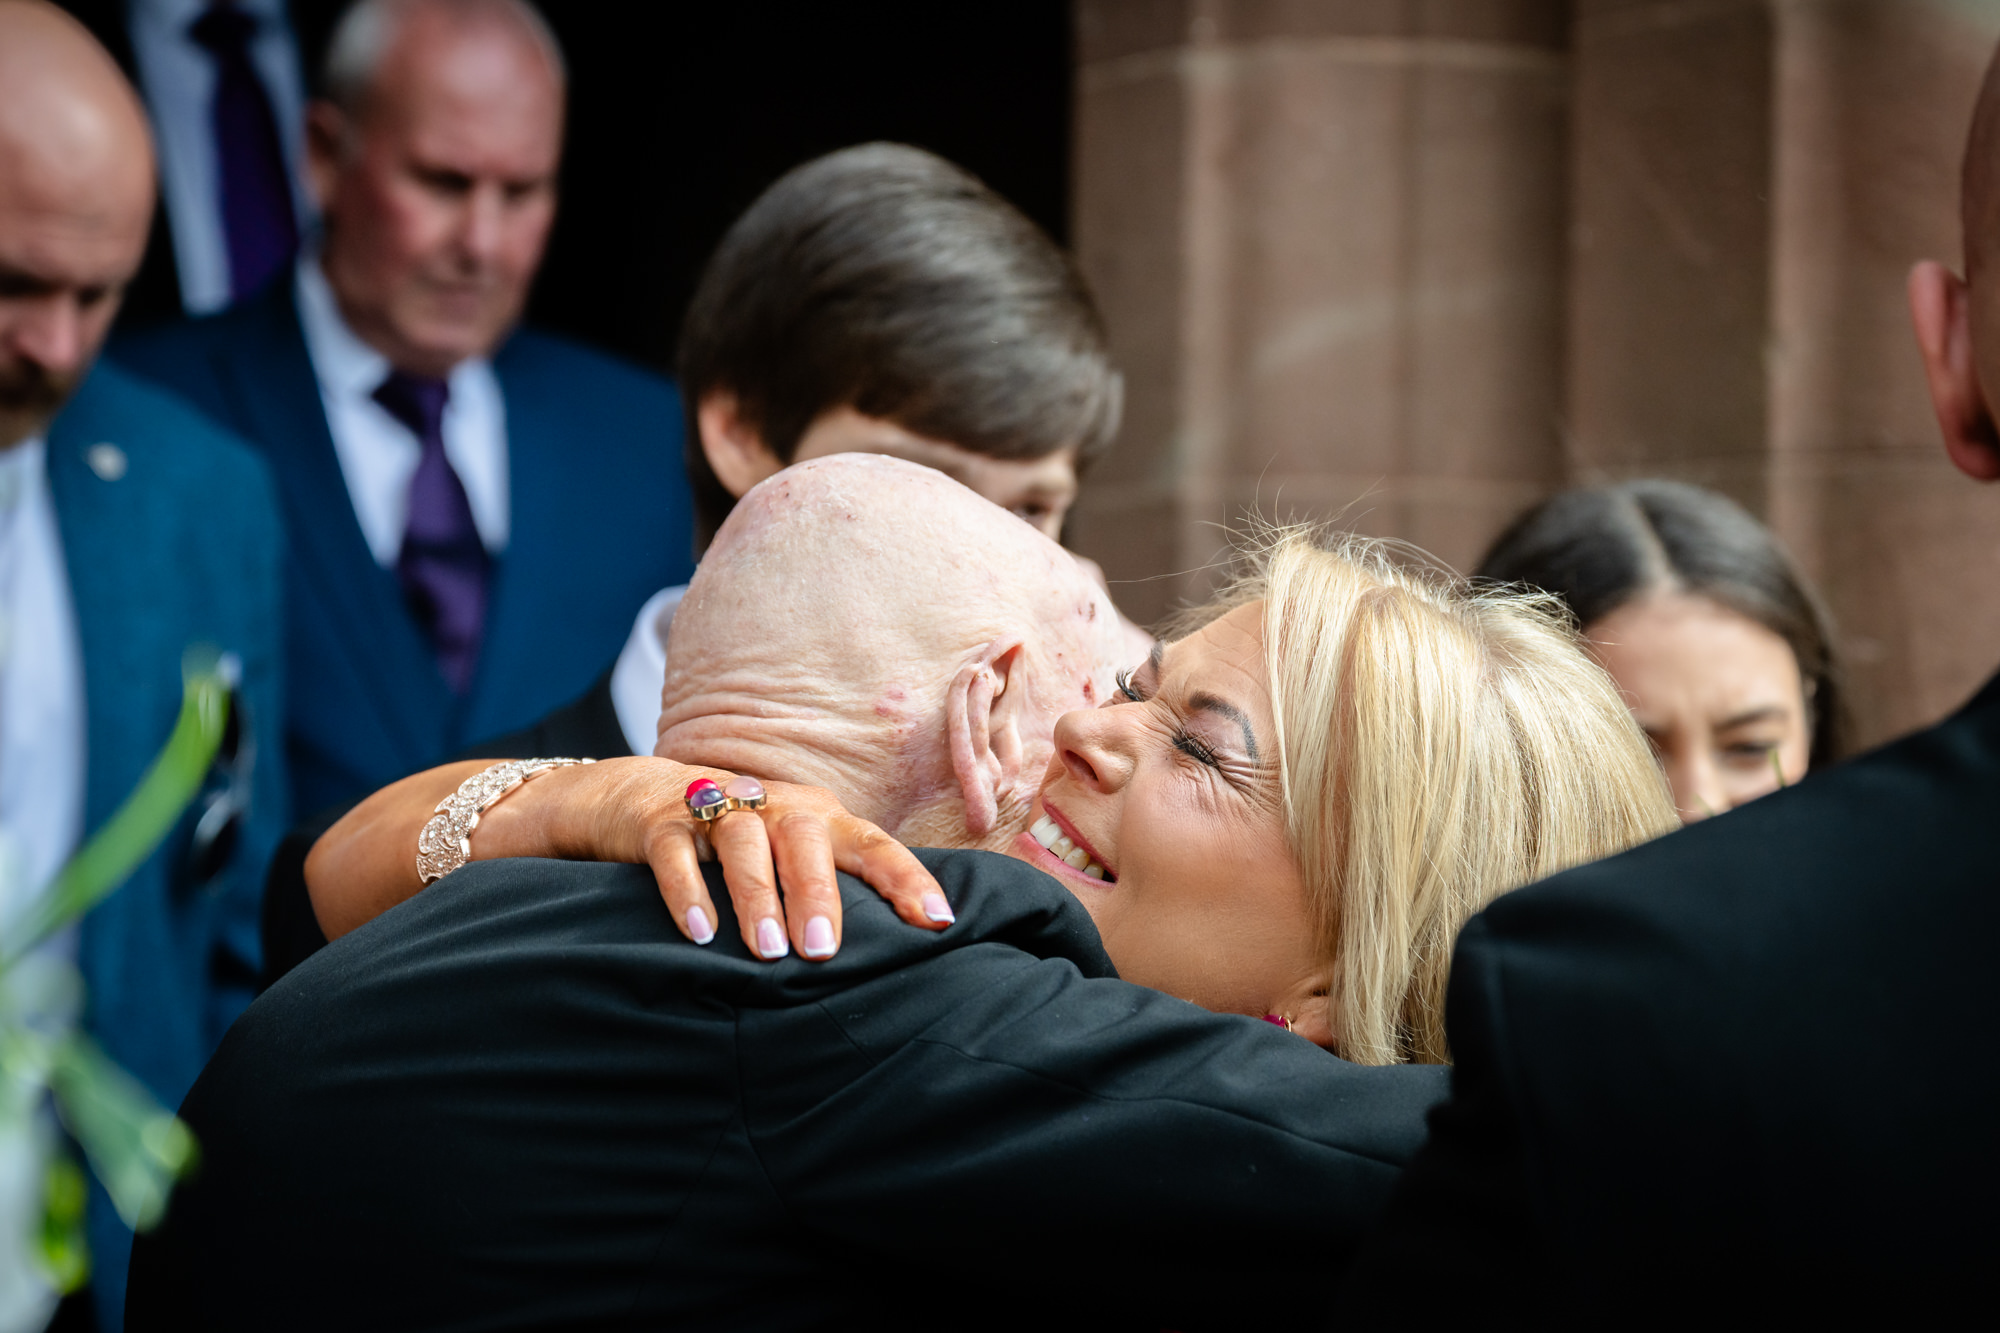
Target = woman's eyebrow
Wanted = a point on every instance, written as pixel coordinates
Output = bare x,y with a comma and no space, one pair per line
1768,713
1208,703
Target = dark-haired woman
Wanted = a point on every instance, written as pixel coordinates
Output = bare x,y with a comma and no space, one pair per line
1720,646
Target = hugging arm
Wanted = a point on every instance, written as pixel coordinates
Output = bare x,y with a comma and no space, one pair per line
632,809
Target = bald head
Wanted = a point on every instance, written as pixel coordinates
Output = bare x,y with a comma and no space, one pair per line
872,626
76,199
1979,181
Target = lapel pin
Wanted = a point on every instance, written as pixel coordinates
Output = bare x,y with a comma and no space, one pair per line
106,460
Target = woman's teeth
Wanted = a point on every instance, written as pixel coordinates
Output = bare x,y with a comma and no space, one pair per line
1050,835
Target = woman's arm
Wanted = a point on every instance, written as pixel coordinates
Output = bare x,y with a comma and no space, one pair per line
633,809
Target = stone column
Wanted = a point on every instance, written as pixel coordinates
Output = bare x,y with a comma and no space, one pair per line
1327,235
1750,181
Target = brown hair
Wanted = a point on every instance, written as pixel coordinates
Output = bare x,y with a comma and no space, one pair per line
1600,547
886,279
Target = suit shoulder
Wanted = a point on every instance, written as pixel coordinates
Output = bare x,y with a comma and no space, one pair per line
159,431
165,347
541,354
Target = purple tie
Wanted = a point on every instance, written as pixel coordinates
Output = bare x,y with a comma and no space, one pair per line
256,190
443,566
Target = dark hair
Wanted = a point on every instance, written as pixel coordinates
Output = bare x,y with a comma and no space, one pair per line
886,279
1600,547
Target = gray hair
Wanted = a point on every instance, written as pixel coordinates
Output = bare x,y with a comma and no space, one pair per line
367,30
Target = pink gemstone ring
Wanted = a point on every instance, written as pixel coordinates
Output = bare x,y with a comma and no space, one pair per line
705,800
744,793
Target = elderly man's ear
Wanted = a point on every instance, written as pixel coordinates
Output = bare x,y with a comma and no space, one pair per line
1941,310
735,449
987,709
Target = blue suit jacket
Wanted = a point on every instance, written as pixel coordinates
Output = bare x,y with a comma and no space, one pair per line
601,520
182,547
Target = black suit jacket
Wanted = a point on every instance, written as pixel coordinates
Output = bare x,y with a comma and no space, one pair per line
521,1100
1753,1060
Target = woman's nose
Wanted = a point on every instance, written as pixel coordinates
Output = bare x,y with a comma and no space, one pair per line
1697,788
1093,747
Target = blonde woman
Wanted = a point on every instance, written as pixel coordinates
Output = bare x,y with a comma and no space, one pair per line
524,1098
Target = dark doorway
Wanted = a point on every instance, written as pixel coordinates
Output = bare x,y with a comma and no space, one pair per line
681,114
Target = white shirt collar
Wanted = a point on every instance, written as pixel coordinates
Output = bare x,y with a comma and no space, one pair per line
346,366
642,670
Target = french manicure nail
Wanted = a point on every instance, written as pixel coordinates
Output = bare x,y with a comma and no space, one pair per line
771,939
698,926
937,909
819,938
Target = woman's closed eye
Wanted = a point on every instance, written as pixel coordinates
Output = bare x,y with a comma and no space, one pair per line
1189,744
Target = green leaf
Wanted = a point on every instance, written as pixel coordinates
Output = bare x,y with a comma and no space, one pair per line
130,835
137,1147
60,1244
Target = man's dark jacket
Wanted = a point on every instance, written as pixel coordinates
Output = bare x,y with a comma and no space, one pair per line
600,520
521,1100
1750,1062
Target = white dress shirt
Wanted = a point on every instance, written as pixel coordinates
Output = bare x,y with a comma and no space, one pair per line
177,77
42,734
641,670
378,453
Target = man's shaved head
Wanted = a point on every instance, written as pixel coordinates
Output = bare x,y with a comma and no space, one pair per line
872,626
1979,182
76,199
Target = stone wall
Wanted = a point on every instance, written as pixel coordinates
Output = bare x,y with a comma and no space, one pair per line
1418,262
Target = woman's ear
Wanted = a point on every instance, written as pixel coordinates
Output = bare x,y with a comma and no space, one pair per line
1310,1011
735,449
1941,310
985,712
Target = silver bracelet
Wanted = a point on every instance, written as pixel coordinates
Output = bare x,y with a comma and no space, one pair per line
445,843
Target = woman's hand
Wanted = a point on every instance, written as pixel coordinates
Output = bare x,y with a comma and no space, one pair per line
634,810
797,841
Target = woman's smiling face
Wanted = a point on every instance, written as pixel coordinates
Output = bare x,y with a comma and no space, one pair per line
1171,791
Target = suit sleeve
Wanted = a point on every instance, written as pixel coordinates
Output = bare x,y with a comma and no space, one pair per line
1073,1116
1464,1207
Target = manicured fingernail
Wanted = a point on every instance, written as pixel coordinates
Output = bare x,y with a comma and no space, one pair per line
698,926
771,939
937,909
819,938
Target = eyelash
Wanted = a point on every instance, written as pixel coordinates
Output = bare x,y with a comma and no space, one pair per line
1186,743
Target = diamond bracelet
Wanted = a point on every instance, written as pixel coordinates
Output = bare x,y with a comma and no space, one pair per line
445,842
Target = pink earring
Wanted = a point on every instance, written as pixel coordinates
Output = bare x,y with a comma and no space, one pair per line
1282,1020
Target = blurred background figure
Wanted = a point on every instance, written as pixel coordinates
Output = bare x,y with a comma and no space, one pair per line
222,85
475,510
130,530
1717,643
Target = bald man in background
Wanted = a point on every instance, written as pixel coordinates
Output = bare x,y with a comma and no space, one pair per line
130,530
1748,1068
476,511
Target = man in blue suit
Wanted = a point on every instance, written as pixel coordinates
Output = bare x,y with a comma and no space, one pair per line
130,530
475,512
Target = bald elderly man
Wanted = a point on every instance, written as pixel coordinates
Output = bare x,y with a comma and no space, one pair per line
523,1098
476,510
1748,1069
130,530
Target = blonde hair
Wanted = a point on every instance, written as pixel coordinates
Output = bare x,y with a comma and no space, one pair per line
1439,744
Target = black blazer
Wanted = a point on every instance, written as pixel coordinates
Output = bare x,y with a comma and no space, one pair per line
522,1100
1753,1060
